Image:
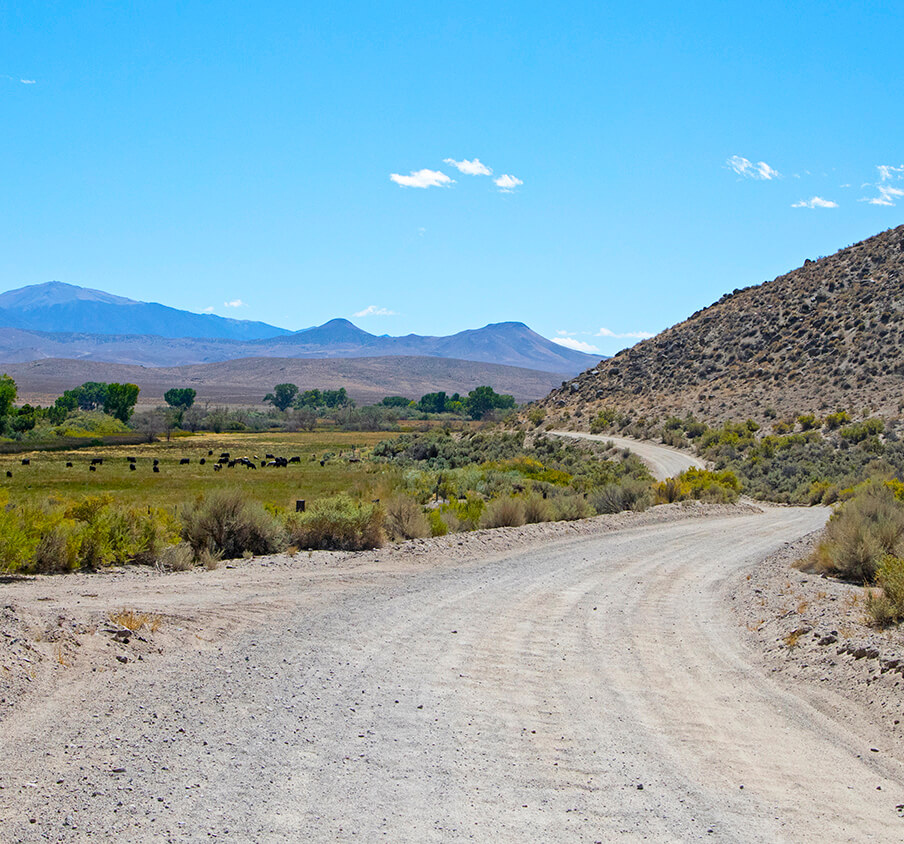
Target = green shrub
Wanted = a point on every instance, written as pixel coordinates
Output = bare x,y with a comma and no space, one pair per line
339,523
228,524
890,577
603,421
466,513
503,512
537,509
836,420
861,532
437,526
860,431
570,508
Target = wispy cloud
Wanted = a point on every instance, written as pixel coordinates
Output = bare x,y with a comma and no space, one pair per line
28,81
507,183
374,310
208,310
752,170
815,202
887,172
627,335
17,79
235,303
470,168
422,179
888,194
576,345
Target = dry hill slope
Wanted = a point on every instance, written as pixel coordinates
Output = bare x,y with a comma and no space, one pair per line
246,380
828,335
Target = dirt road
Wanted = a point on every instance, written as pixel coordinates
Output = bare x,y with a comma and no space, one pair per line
664,462
588,689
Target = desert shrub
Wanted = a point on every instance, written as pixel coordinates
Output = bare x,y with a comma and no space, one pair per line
860,431
88,533
836,420
228,524
536,415
438,526
537,509
823,492
707,485
669,491
861,533
570,508
339,523
808,421
603,421
179,557
888,607
96,423
503,512
466,513
58,548
404,519
629,494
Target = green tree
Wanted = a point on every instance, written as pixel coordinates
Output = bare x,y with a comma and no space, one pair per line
120,400
395,401
432,403
482,400
92,395
181,398
282,396
8,393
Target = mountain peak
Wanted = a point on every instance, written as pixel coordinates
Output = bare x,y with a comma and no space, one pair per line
57,293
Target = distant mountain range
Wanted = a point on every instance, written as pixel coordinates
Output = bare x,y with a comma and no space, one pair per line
56,306
57,320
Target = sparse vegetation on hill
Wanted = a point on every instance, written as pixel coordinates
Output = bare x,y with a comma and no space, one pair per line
829,334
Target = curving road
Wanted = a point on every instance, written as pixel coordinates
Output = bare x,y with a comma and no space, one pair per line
663,461
587,690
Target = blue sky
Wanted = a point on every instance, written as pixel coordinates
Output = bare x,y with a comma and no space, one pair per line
257,159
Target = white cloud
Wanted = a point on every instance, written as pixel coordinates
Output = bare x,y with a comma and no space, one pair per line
234,303
470,168
208,310
576,345
422,179
373,310
28,81
750,170
507,183
888,195
887,172
627,335
815,202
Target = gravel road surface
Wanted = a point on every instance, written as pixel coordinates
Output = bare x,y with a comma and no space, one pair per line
664,462
589,689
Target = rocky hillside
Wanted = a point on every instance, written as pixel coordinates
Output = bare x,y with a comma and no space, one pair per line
827,336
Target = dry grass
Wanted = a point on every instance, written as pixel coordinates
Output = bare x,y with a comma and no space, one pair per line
793,638
404,519
135,621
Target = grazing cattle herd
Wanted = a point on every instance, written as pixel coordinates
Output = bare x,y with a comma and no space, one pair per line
225,459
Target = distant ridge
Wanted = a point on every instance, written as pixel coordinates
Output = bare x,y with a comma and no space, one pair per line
826,336
57,320
56,306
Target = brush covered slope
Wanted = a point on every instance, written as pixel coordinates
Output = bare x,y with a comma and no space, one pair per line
827,336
